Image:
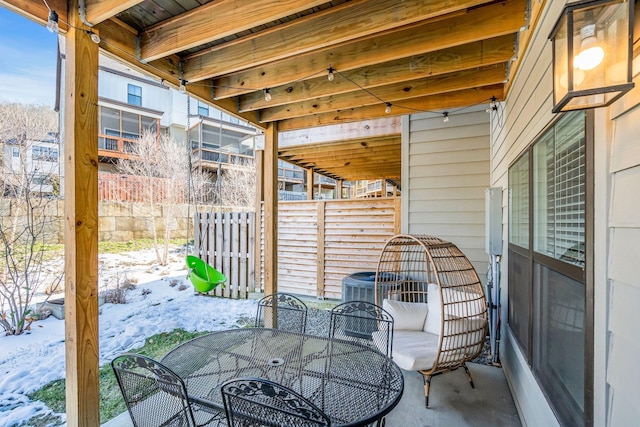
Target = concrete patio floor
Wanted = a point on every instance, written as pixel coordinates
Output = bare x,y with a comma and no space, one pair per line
452,402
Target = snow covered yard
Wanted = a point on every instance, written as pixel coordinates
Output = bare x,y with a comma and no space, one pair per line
158,304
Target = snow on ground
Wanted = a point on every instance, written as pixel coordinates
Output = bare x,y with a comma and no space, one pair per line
30,361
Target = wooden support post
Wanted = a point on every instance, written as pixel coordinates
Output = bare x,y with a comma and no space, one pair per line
320,250
271,209
397,215
81,224
309,184
339,189
257,256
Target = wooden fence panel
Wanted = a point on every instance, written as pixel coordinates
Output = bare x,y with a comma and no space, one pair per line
222,240
322,241
129,188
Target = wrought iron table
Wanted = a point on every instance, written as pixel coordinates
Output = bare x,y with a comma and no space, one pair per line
352,384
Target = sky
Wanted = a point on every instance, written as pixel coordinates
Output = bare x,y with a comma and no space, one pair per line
27,61
158,304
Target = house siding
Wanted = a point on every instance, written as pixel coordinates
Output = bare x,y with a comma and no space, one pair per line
525,114
622,376
446,174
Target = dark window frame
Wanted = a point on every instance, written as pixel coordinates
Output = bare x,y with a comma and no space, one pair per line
584,275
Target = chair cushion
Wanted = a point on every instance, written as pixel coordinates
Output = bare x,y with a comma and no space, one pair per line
406,315
414,350
460,304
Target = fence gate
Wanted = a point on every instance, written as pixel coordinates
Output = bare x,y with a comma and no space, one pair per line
225,240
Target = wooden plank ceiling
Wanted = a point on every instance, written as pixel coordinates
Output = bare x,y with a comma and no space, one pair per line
388,57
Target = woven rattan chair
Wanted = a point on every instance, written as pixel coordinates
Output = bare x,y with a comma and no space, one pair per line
362,322
282,311
156,396
256,402
454,323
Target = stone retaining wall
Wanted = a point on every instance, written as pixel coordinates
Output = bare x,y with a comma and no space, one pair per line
117,221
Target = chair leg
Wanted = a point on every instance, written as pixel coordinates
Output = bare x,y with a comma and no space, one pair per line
427,384
466,370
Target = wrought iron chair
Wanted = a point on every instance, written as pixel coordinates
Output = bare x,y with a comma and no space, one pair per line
256,402
364,323
282,311
156,396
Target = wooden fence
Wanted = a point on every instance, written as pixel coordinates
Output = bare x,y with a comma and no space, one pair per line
129,188
322,241
226,241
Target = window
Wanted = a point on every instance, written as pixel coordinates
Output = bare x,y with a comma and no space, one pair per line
547,269
134,95
116,125
15,152
203,109
45,154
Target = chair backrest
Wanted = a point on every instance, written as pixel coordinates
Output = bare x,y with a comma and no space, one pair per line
259,402
154,394
282,311
363,322
438,273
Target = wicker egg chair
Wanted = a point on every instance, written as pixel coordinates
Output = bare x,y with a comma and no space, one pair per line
439,282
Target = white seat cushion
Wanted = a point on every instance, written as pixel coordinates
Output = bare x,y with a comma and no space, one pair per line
414,350
406,315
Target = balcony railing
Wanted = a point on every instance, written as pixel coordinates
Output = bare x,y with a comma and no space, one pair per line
208,156
110,146
372,189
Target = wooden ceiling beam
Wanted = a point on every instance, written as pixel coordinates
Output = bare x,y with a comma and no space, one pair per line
118,40
356,144
361,133
482,23
398,92
353,174
345,155
442,101
356,160
340,24
38,12
458,58
213,21
97,11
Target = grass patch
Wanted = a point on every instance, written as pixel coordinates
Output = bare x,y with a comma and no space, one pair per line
111,403
109,247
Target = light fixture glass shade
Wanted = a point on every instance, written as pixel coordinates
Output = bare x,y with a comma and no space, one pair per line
592,49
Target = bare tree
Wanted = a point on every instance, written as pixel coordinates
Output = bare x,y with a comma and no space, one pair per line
237,187
30,156
162,163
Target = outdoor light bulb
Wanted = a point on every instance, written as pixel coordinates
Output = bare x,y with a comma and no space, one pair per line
387,109
331,76
591,54
183,87
94,37
52,23
445,118
267,95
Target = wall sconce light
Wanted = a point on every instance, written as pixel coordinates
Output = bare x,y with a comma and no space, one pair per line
592,54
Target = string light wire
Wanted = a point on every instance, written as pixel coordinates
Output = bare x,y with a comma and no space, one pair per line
267,91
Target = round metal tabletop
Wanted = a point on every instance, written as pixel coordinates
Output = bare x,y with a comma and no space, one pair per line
352,384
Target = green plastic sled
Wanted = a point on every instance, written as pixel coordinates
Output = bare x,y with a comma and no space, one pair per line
203,277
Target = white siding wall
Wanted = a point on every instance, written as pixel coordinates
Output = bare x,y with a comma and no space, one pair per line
446,172
523,115
622,375
616,235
